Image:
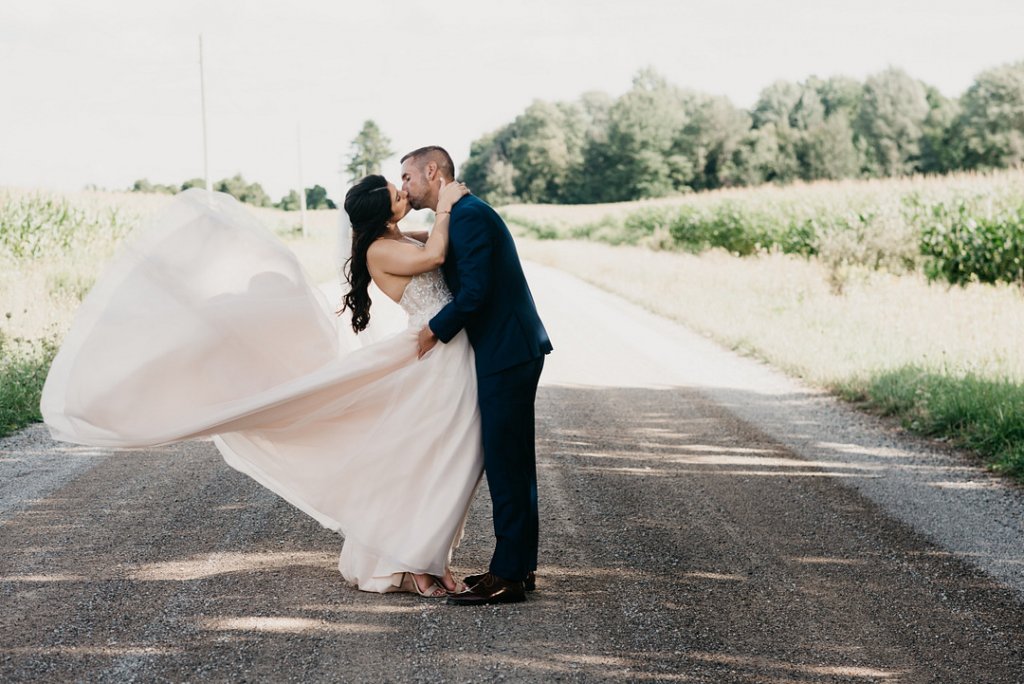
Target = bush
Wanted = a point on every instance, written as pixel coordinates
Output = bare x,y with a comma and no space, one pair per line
799,236
23,368
724,225
637,227
534,229
963,244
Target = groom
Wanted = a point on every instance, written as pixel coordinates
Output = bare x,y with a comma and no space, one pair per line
492,302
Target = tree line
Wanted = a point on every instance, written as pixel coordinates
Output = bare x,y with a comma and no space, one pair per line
243,191
368,150
658,139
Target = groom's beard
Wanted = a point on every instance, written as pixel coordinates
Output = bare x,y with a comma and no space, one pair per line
418,204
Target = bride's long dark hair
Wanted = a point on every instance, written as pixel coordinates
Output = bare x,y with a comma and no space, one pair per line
368,205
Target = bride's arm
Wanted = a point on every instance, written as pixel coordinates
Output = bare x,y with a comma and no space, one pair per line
404,259
418,235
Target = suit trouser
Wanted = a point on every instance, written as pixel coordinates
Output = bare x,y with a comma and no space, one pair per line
507,425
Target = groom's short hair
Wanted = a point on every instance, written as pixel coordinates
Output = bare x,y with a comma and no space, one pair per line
433,153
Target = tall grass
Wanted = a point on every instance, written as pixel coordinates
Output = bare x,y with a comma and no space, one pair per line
982,414
40,226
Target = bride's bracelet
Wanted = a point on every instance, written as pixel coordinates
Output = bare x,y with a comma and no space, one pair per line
438,213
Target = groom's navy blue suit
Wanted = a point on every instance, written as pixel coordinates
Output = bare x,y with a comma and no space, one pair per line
492,302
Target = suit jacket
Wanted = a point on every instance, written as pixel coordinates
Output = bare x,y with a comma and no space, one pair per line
491,298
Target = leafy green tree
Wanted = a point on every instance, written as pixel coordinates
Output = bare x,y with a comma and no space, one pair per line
594,106
289,202
839,94
767,155
368,151
775,104
143,185
538,157
710,140
658,139
591,122
501,175
488,171
891,120
544,143
941,137
828,151
237,187
804,131
771,148
316,198
830,148
808,111
992,122
638,159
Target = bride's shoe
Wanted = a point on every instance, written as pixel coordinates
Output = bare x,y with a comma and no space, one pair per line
435,590
449,577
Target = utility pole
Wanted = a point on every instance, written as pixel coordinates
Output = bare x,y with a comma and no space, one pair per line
302,187
202,97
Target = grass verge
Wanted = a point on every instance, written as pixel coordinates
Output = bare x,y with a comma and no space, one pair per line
23,368
984,415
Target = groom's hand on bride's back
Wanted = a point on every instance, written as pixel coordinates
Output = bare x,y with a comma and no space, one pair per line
426,341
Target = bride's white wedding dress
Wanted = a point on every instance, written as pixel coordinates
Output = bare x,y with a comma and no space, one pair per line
206,326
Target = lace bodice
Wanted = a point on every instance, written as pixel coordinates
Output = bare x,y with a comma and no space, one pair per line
424,296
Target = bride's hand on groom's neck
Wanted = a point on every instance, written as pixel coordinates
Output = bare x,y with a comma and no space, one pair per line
450,194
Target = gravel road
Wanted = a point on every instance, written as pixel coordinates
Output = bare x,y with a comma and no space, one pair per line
704,519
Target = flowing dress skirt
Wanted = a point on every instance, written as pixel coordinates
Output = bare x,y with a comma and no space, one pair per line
205,326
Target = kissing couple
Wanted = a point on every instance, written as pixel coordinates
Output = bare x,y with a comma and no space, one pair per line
205,325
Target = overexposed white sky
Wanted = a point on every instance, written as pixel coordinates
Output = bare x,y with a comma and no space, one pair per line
107,91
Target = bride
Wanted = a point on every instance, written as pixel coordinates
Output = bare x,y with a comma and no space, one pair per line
206,326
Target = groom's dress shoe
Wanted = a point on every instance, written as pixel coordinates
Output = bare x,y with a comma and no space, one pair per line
529,584
490,589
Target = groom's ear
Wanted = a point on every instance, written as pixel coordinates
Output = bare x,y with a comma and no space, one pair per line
431,170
